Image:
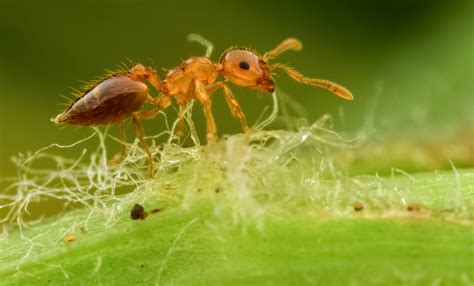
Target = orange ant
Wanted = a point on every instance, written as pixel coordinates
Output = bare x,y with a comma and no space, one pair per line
196,78
122,94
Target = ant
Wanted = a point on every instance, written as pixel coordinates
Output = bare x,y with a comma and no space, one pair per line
196,78
121,95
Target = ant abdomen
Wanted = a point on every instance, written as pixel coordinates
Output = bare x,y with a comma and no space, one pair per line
110,101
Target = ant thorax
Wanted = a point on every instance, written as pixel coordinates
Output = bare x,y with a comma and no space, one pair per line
179,80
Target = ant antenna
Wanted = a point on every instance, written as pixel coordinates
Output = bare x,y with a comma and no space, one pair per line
288,44
199,39
333,87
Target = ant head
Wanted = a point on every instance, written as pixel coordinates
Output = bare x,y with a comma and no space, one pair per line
246,68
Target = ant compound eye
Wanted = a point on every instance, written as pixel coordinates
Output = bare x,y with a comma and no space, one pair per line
244,65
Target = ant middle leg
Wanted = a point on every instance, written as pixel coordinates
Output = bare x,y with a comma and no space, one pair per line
204,98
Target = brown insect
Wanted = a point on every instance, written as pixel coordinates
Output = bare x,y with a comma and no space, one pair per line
122,94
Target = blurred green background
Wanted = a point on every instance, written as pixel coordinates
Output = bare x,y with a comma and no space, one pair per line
409,64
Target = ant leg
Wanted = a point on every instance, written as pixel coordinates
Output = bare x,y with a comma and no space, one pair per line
141,73
118,158
288,44
213,87
203,97
140,135
147,114
232,102
180,128
234,107
326,84
162,102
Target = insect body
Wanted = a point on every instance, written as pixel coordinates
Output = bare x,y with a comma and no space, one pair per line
121,95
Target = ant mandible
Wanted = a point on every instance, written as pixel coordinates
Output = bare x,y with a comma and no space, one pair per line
122,94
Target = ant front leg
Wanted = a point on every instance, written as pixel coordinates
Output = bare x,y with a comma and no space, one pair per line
202,95
232,102
235,108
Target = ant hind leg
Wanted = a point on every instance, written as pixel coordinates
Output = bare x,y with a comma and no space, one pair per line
118,158
140,135
180,130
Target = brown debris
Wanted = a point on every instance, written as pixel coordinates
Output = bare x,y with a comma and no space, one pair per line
358,207
138,212
414,207
69,238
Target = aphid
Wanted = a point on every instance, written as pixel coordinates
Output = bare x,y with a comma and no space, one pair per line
196,78
114,99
